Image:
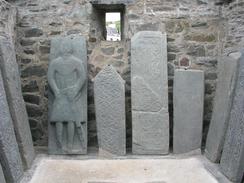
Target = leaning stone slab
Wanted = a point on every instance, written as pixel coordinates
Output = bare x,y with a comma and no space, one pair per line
67,78
9,152
8,18
150,118
188,110
109,90
2,178
12,83
232,160
222,104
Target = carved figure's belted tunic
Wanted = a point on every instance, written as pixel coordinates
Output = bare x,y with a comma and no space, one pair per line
66,79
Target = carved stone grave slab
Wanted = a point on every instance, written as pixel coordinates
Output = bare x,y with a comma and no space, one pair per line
150,118
188,110
109,90
2,178
9,152
12,83
67,78
232,160
222,103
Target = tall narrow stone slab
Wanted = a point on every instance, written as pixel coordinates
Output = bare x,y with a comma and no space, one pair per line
222,103
9,152
2,178
188,110
109,90
67,78
11,77
232,160
150,118
9,16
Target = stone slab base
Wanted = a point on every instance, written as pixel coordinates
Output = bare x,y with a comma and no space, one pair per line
130,169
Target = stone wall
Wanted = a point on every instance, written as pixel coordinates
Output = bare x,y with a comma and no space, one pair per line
196,33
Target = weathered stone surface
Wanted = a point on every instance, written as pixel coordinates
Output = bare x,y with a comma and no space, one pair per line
32,86
232,160
35,70
108,51
109,92
11,77
27,42
67,77
222,104
8,18
33,99
150,118
188,110
33,110
109,2
196,50
201,37
33,32
67,1
199,24
2,178
9,152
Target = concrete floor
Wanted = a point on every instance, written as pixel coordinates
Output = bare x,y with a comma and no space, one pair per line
192,168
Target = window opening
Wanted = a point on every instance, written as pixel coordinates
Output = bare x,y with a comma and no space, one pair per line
113,26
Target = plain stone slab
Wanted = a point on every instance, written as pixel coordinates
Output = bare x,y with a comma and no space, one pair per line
188,110
109,93
2,178
70,107
232,160
9,152
12,83
222,103
149,90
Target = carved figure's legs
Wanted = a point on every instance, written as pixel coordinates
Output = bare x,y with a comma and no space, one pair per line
59,132
71,133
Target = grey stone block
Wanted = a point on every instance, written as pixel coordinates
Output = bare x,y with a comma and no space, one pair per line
150,118
2,178
9,152
109,90
12,83
222,103
101,182
67,77
188,110
232,160
111,2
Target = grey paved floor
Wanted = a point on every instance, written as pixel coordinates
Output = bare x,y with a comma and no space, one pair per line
190,168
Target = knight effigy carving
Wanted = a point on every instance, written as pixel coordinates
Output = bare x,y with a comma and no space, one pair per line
67,78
